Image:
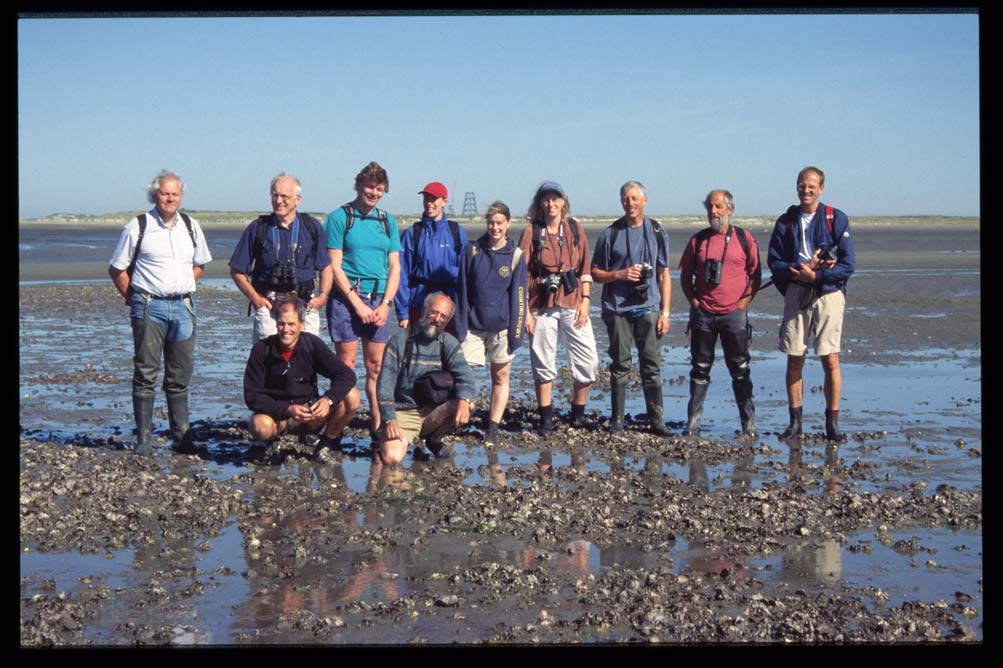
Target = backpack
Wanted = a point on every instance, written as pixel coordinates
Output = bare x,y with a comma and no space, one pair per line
261,228
454,229
535,260
705,234
142,230
350,218
655,225
793,210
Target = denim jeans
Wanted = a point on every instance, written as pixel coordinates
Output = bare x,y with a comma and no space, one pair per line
162,328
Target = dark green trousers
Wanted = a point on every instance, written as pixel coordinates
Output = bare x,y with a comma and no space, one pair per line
626,332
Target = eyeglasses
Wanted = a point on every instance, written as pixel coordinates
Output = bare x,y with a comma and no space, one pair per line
284,198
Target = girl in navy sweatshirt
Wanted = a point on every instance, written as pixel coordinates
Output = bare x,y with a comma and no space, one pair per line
491,306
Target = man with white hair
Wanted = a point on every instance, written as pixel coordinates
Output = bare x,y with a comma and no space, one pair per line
155,268
279,255
631,261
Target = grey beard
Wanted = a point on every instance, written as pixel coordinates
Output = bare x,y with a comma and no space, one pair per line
720,223
428,329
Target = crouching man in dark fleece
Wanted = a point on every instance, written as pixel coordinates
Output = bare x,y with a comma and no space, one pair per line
280,384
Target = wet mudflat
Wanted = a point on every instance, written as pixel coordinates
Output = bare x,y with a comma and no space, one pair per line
579,537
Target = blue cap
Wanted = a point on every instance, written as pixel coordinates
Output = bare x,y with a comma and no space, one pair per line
551,185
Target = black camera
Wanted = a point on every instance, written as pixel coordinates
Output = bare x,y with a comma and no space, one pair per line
551,282
647,272
827,253
712,272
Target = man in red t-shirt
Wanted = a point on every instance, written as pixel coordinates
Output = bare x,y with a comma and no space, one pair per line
719,274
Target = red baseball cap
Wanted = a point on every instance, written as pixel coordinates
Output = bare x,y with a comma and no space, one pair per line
435,189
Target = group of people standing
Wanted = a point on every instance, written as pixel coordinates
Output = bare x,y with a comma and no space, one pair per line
463,303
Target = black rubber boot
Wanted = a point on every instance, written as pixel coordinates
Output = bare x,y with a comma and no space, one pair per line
832,432
142,409
618,395
694,409
547,418
177,415
577,416
653,400
794,428
491,435
746,410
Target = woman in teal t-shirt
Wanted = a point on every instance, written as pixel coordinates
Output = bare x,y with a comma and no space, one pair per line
364,247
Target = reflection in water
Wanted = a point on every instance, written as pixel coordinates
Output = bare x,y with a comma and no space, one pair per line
741,474
493,472
718,563
813,563
832,479
545,464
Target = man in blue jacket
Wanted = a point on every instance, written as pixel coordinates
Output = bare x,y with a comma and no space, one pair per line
811,258
429,257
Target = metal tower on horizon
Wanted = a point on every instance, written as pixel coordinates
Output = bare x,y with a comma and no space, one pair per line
469,204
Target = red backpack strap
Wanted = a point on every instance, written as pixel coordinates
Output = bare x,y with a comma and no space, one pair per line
829,216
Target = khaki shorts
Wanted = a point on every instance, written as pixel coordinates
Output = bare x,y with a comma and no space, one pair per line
821,323
422,421
481,345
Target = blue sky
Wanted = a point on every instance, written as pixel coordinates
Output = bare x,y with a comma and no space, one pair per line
887,105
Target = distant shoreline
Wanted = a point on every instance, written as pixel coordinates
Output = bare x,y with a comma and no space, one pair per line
233,221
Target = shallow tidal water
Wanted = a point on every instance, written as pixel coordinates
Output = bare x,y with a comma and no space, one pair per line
913,414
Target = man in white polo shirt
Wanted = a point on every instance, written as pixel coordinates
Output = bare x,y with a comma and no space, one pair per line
158,260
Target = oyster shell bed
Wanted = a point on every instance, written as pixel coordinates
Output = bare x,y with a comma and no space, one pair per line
297,539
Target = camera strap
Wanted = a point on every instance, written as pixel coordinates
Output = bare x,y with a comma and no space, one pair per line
538,248
704,236
294,235
626,239
727,238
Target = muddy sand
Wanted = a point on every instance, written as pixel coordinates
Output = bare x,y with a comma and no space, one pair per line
578,537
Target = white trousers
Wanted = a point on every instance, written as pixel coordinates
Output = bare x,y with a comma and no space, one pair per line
555,327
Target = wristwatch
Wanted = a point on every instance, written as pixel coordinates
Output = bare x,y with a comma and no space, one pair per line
330,401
